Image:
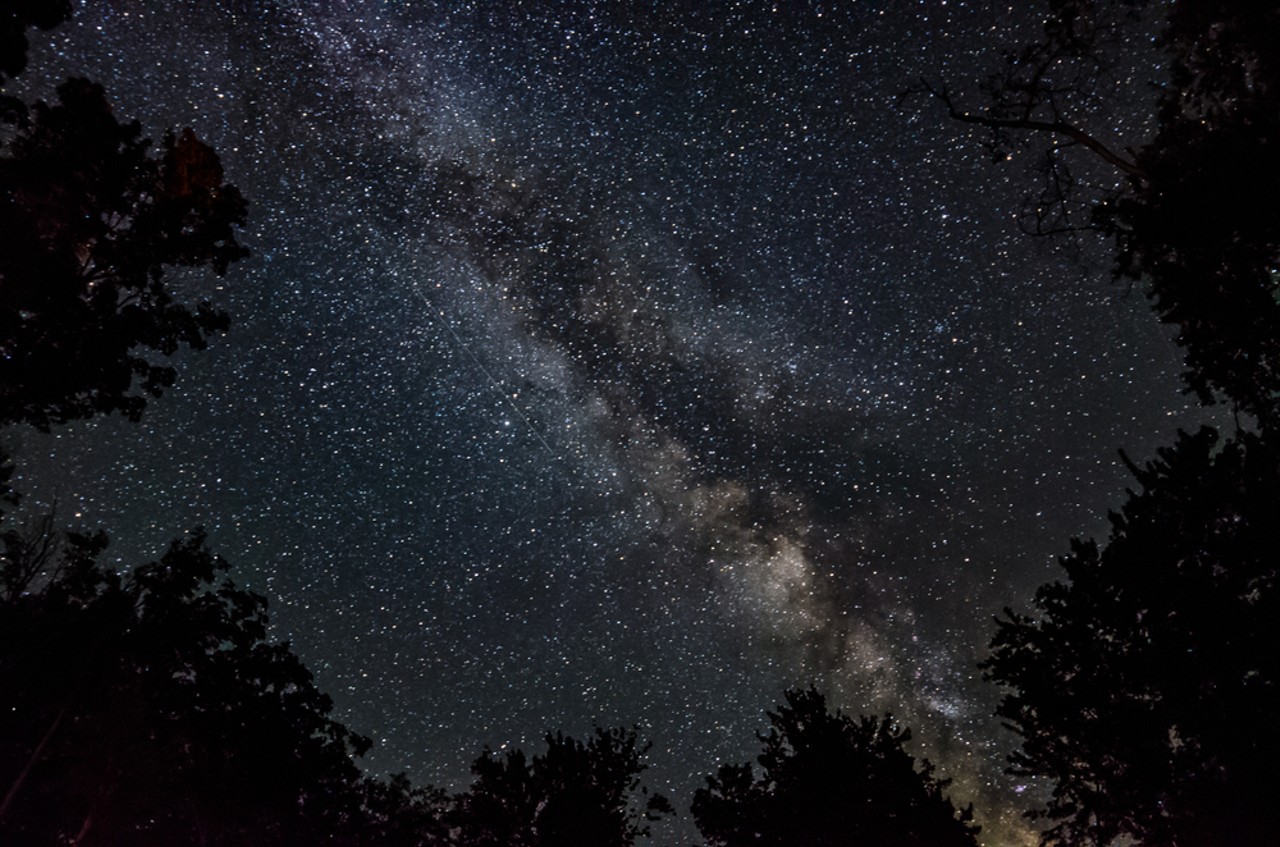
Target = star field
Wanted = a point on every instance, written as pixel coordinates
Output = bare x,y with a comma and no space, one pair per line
604,363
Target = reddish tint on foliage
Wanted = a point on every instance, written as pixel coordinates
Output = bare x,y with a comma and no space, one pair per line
93,219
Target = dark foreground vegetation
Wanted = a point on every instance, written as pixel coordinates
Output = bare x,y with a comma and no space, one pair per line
150,707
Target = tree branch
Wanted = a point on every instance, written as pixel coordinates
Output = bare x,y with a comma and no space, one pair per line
1058,127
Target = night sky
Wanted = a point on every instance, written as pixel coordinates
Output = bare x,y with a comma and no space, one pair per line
620,363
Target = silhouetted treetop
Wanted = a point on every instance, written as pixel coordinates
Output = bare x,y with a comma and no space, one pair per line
576,794
1203,225
150,708
829,780
92,219
1146,683
1191,199
145,706
15,19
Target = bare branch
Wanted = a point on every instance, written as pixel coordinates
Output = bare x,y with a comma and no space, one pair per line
1057,127
26,556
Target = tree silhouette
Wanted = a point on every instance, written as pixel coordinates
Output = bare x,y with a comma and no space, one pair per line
145,708
829,780
1146,685
575,794
92,218
1134,681
1192,207
151,709
17,17
394,813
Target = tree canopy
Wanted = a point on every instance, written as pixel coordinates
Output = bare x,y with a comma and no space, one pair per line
1202,224
1190,198
151,708
1141,684
829,780
575,794
1146,683
17,17
93,217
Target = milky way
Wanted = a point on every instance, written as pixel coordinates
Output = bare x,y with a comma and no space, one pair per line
599,363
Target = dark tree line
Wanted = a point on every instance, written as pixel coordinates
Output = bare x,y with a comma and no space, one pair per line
1190,207
92,217
149,707
152,709
828,780
1144,683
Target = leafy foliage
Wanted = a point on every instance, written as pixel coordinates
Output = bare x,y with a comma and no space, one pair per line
829,780
1202,226
1192,207
395,813
575,794
146,708
1140,685
17,17
1146,685
152,709
92,220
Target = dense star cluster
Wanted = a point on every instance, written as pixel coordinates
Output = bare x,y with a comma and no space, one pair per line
599,363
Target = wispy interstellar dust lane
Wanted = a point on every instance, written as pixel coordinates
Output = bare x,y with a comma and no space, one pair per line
731,439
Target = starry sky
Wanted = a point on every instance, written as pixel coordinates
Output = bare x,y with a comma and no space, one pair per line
621,363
